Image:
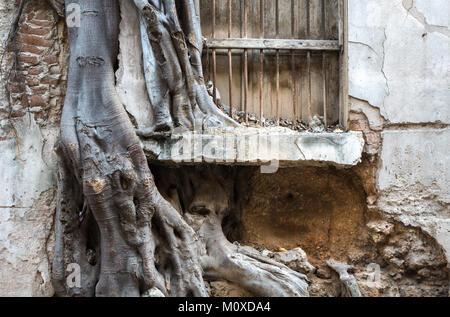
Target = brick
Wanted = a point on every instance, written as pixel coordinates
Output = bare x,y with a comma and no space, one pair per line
17,114
24,101
42,23
47,80
29,9
34,40
37,101
33,82
39,90
358,125
14,88
18,78
51,59
42,15
31,49
35,70
28,59
372,138
40,30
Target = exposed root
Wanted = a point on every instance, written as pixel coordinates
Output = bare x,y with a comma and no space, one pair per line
172,48
349,281
107,196
204,196
256,274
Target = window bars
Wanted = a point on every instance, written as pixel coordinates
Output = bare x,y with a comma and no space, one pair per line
244,44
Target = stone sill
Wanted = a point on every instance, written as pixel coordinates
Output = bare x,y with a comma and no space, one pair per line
258,146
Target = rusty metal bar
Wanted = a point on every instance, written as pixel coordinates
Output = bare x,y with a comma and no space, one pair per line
308,58
230,66
245,64
277,27
208,65
214,66
294,84
261,62
324,71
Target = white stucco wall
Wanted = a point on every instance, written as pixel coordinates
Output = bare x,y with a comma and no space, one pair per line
399,61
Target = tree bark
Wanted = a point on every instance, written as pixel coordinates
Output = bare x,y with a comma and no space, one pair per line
101,155
111,219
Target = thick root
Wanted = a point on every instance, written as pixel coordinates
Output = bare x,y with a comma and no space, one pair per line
253,272
178,254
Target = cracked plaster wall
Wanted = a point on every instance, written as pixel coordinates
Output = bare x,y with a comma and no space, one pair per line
29,127
399,66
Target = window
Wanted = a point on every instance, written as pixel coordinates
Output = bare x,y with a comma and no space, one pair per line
282,61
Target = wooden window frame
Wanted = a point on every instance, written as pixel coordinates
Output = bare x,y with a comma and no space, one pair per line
277,44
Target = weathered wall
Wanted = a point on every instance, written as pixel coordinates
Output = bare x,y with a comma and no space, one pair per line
29,126
399,62
399,57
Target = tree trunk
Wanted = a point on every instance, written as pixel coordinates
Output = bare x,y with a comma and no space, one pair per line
100,153
111,219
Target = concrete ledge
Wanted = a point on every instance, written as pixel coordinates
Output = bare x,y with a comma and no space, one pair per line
252,146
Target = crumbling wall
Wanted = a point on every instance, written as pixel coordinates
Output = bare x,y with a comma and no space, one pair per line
327,213
399,55
29,126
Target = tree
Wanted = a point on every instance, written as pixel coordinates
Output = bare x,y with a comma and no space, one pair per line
111,218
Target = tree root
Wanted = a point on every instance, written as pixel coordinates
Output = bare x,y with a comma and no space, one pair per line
105,179
172,48
349,283
112,221
206,195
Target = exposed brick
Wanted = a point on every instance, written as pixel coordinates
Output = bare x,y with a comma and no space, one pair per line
27,29
19,78
51,59
31,49
24,101
39,90
34,40
14,88
372,137
358,125
28,59
41,15
42,23
35,70
36,101
47,80
29,9
17,114
33,82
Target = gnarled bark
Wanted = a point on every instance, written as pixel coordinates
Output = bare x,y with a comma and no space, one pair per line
110,174
172,47
111,219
